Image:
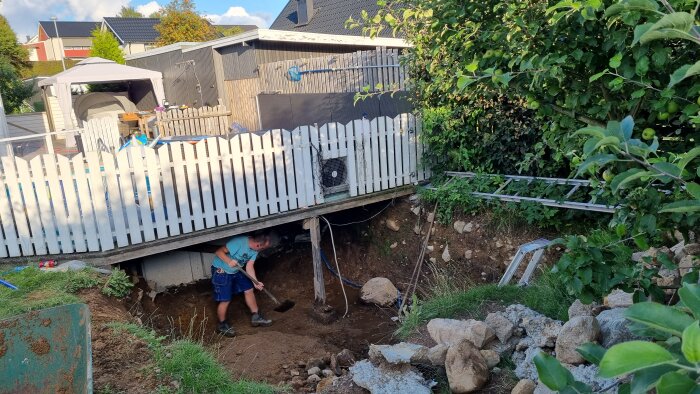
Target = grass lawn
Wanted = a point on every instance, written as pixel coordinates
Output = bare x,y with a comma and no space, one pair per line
546,295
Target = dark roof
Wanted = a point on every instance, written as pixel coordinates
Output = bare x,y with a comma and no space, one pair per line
69,29
130,30
329,17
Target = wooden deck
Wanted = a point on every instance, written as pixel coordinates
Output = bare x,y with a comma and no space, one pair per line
109,208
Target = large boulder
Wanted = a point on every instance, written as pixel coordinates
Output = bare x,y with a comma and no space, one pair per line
379,291
382,380
524,386
466,368
576,332
437,354
451,331
614,328
401,353
541,330
500,325
619,299
492,358
578,308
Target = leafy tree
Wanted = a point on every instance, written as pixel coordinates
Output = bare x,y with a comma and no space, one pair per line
129,12
180,22
11,51
14,90
106,46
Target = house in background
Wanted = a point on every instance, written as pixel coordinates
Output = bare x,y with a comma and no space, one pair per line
324,16
73,41
135,35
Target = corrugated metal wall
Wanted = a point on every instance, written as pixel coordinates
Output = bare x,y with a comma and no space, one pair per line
180,80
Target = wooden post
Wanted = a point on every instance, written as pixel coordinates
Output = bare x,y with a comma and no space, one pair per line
319,287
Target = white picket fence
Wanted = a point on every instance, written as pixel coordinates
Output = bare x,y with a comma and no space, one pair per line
101,134
101,201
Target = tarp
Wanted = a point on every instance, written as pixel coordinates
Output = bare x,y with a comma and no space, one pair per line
98,70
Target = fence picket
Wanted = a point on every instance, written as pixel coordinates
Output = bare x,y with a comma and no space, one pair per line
259,174
308,173
31,206
214,148
166,159
282,193
367,145
142,196
182,195
126,186
272,197
380,124
239,176
390,151
193,183
86,197
249,171
100,200
156,195
58,201
290,178
405,150
316,165
8,244
205,188
73,214
412,146
398,150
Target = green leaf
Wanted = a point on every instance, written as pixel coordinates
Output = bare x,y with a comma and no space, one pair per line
683,206
626,177
591,352
638,5
668,168
659,317
593,131
691,343
599,159
610,140
595,77
684,72
627,126
551,373
688,157
639,31
693,189
674,25
690,295
471,67
632,356
675,383
615,61
464,81
644,380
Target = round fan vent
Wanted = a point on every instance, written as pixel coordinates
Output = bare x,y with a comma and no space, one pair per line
333,173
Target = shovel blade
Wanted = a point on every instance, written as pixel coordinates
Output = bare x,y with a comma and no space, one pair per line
284,306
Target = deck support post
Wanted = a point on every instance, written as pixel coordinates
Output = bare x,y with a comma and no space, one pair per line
319,287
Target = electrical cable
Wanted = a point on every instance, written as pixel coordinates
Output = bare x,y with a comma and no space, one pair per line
366,220
332,271
337,266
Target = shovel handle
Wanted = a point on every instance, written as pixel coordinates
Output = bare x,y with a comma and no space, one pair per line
247,275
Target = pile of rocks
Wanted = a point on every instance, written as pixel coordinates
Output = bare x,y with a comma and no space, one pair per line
317,373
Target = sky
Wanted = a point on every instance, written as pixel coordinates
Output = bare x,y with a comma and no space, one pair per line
24,15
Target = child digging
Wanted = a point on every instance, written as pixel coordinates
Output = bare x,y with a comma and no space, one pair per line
239,252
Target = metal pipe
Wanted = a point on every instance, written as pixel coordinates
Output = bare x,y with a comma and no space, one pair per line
60,43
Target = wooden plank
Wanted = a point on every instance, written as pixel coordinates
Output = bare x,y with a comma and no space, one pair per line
193,183
390,151
58,199
324,145
48,219
369,156
205,182
376,163
308,173
406,160
349,143
333,139
360,157
280,170
226,172
100,200
420,170
272,196
15,196
383,157
319,286
316,164
181,190
398,150
143,199
166,159
259,165
216,148
86,200
156,196
73,214
31,206
289,169
413,168
9,244
239,176
126,186
247,154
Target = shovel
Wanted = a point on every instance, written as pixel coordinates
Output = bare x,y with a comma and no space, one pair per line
281,307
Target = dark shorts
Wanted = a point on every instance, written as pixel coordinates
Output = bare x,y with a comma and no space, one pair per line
228,285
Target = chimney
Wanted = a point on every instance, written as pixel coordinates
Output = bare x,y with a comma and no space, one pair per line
305,11
28,38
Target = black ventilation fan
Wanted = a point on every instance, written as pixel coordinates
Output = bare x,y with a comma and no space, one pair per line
334,176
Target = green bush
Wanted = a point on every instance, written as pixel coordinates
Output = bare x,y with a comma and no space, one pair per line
118,284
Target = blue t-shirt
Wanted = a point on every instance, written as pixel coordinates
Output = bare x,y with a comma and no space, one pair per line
239,251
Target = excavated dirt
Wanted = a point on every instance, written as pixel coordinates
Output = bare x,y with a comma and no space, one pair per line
123,363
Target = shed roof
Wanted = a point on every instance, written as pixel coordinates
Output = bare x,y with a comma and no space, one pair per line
329,17
69,29
130,30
